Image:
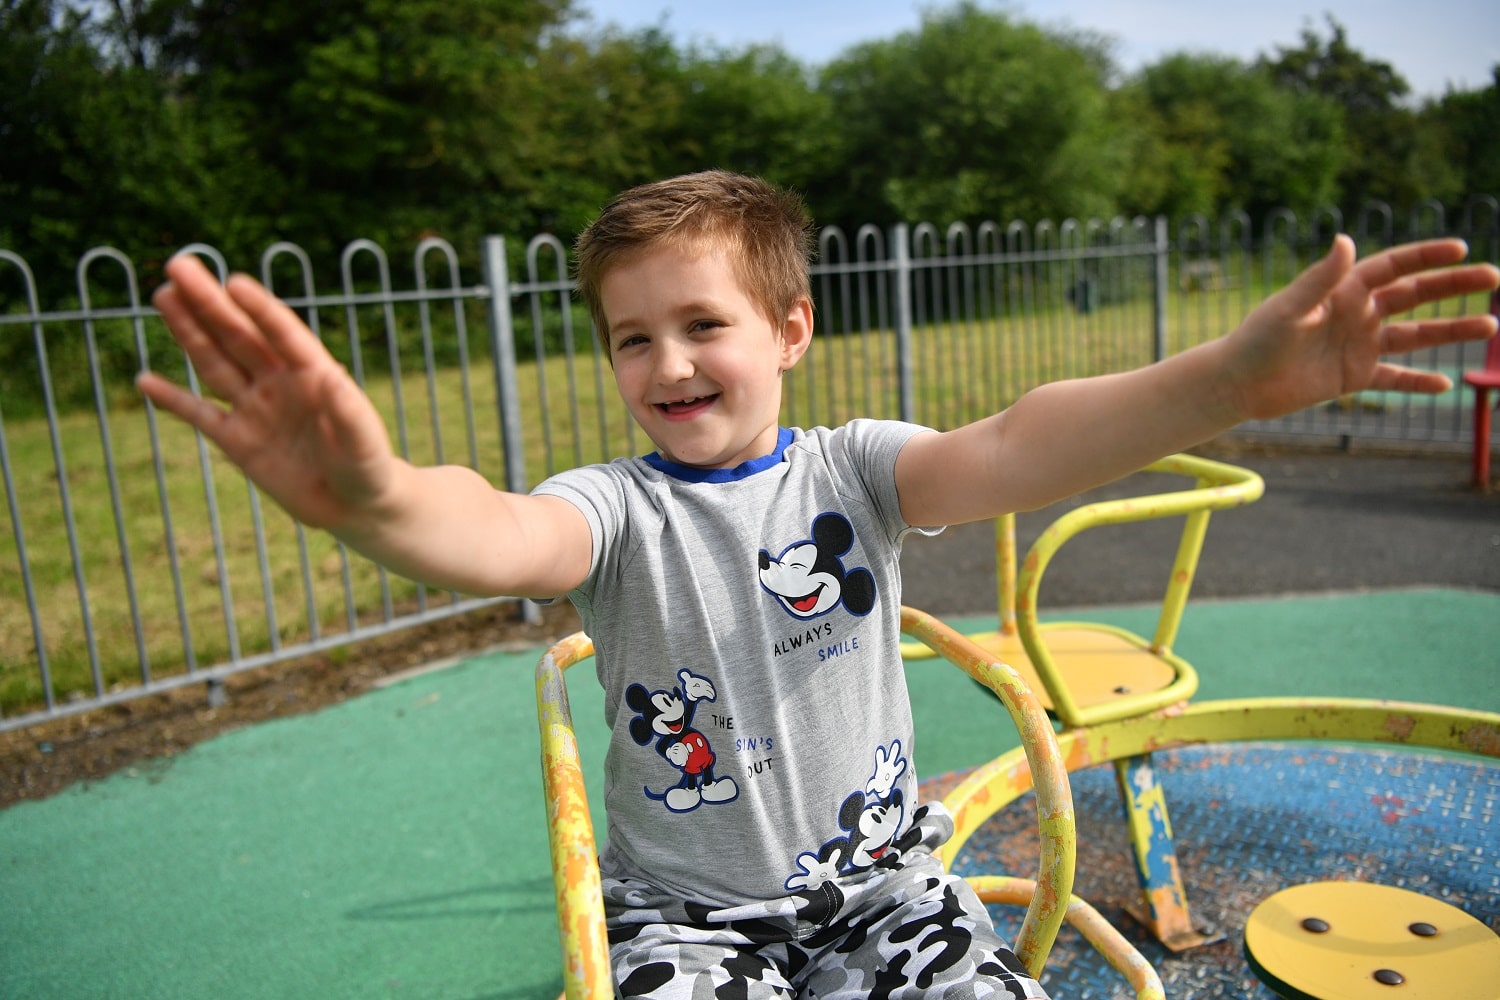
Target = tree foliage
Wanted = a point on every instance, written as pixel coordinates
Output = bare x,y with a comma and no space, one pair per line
1392,157
1468,131
147,124
973,115
1229,138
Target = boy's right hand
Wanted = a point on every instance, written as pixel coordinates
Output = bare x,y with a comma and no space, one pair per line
295,420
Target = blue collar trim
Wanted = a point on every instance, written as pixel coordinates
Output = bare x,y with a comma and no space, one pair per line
746,469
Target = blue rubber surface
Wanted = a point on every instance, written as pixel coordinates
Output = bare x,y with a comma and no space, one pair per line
1250,819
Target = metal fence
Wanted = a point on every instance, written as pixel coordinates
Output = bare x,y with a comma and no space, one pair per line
134,559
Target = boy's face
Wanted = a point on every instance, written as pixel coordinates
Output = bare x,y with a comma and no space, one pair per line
698,365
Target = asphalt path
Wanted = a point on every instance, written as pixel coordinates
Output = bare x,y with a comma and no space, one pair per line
1330,520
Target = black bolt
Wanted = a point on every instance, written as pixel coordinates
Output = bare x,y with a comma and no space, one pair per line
1421,929
1315,926
1390,977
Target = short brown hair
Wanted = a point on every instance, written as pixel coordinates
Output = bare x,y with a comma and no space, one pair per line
764,229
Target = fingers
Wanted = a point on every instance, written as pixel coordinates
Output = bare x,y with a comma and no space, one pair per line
1419,289
1398,338
285,333
233,333
221,373
1399,378
1316,283
195,411
223,337
1390,265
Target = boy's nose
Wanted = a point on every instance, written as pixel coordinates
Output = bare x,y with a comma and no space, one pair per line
674,363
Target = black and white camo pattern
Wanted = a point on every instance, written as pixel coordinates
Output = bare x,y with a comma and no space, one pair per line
904,932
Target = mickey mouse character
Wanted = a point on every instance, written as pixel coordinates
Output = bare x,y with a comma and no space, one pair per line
668,717
870,819
809,579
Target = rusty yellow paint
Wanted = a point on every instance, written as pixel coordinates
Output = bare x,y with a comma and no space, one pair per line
1150,828
1413,724
1218,486
1438,727
1045,771
570,831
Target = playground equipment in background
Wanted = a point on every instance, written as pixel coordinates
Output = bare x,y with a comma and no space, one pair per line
1088,673
1344,720
1482,381
1048,898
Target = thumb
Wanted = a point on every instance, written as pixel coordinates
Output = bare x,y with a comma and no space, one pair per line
1315,283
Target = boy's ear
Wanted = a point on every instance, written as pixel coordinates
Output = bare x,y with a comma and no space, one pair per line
796,334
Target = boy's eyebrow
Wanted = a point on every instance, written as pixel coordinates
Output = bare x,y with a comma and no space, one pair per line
694,307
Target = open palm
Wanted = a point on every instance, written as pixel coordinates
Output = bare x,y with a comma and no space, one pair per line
1328,333
294,419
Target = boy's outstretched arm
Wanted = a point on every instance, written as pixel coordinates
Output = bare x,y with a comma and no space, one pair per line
1324,335
308,436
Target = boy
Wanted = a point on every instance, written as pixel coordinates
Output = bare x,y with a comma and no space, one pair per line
741,582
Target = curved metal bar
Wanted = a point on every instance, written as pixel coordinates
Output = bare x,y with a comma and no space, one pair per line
1219,486
993,785
310,317
1054,799
18,532
1087,921
570,830
107,449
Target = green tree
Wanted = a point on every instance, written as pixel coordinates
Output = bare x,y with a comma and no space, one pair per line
381,118
755,110
1229,138
1391,157
1469,125
610,102
974,115
625,108
92,151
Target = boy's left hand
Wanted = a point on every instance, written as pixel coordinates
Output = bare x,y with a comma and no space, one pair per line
1326,334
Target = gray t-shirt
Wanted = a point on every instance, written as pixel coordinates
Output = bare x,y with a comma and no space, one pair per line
746,625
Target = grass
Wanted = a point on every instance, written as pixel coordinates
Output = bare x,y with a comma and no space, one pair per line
201,601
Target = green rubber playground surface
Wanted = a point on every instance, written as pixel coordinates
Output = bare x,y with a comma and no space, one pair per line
394,845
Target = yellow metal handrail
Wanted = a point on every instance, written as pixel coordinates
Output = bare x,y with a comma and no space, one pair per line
1054,800
1218,486
570,830
1361,720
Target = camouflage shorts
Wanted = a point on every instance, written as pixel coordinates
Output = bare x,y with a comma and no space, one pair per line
912,931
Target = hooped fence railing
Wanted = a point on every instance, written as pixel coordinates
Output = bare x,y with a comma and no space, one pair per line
135,560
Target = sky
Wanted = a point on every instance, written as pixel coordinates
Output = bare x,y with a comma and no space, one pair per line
1432,43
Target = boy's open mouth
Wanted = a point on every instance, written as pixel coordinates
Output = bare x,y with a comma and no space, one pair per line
683,407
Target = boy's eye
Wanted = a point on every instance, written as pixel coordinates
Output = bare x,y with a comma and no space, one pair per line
629,341
706,324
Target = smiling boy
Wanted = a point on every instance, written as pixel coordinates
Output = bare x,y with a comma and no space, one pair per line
741,583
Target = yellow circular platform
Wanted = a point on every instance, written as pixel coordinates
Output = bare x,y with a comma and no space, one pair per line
1357,940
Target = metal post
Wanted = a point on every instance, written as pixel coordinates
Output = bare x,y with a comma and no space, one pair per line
1163,902
1159,282
901,265
507,390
